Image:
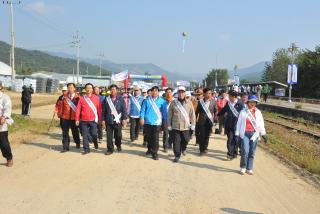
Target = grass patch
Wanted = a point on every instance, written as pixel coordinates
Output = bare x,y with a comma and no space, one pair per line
25,129
302,150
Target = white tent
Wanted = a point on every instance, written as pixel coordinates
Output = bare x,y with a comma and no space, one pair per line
5,70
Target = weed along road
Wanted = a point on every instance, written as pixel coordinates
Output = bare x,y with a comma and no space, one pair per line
45,181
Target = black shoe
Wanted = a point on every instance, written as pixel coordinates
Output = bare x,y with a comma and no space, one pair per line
155,157
108,153
176,160
148,153
85,152
119,149
64,150
96,146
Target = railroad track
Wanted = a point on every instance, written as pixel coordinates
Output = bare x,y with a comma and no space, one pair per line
315,135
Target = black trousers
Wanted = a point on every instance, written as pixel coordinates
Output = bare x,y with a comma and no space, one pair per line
167,136
134,128
100,131
5,146
113,130
232,145
204,134
89,129
180,142
222,123
153,138
145,136
25,108
66,125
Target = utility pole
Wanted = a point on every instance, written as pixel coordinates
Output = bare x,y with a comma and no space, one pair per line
11,3
76,44
101,55
292,49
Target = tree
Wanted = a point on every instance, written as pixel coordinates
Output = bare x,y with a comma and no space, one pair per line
222,77
277,70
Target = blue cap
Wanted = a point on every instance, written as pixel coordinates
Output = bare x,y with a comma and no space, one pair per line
253,97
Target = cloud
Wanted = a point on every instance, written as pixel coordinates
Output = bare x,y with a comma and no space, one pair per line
43,9
225,36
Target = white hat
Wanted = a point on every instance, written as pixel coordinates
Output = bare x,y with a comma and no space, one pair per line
181,88
188,94
64,88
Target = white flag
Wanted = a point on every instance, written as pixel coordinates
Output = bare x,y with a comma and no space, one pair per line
120,76
292,78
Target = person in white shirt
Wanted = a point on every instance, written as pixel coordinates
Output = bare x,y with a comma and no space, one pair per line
5,120
249,126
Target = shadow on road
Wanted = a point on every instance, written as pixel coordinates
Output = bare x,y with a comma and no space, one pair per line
235,211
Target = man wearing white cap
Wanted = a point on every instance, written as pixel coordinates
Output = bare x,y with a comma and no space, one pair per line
134,107
181,117
5,120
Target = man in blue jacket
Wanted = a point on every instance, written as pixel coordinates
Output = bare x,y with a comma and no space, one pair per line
153,114
135,102
114,115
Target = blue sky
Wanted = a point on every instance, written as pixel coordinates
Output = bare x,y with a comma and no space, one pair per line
241,32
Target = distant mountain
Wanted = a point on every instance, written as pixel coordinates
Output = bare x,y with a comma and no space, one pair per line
252,73
135,68
30,61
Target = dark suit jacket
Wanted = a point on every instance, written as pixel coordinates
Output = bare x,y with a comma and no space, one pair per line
120,106
231,120
201,116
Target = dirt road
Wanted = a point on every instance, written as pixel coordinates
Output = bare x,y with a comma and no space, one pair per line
46,181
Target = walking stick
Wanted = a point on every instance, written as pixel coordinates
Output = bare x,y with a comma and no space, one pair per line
54,114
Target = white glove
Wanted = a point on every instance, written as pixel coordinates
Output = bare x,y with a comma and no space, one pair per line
170,128
192,127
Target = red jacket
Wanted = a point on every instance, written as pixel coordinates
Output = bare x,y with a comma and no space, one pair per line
221,103
84,112
66,112
58,107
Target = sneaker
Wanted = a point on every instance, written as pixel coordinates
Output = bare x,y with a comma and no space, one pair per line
249,172
242,171
176,160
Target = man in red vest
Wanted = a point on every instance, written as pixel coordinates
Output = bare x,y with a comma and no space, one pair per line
89,112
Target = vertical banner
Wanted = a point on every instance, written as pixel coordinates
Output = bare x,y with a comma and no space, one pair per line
292,74
236,80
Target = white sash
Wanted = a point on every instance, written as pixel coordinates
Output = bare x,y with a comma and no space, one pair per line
92,106
208,113
233,109
183,111
156,110
254,124
71,104
136,102
114,112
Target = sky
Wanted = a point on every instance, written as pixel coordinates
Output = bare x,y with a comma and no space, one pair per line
220,33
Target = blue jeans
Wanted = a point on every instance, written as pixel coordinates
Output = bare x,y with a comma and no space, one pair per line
248,150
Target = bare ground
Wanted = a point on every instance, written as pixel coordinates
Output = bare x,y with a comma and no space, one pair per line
45,181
